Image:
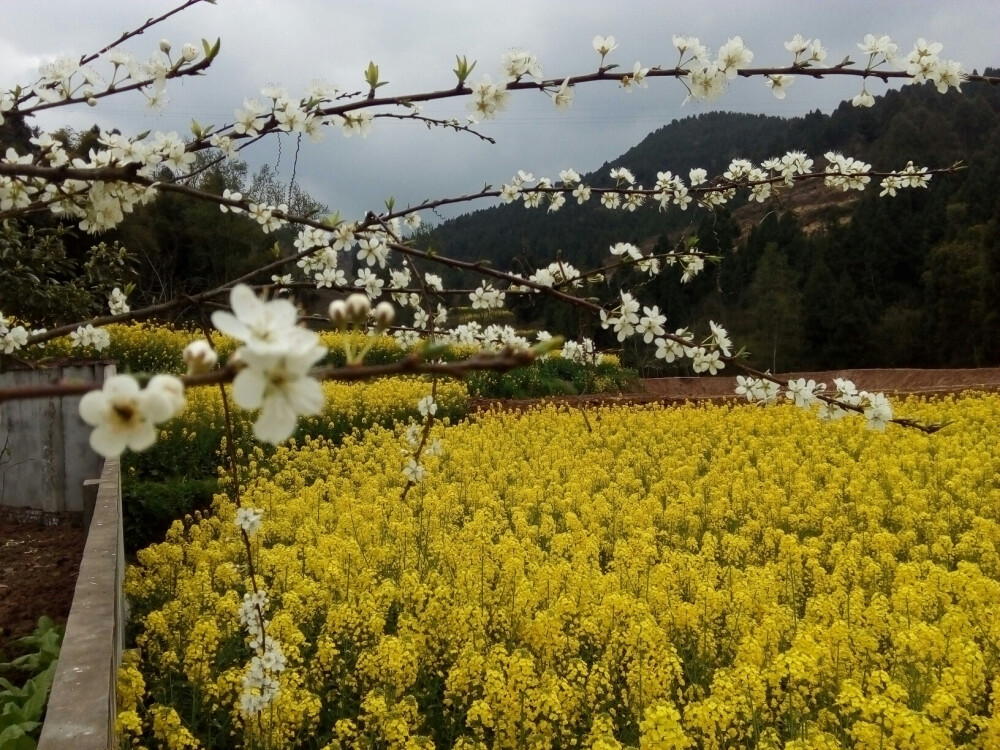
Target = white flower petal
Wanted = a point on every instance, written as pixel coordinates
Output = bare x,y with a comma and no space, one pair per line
141,436
276,422
107,441
245,304
164,398
94,408
248,388
230,325
305,396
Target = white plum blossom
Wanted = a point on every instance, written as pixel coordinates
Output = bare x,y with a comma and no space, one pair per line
581,193
264,326
720,338
330,277
690,44
279,384
693,265
117,302
877,410
488,98
12,338
803,393
124,415
357,122
637,78
610,199
707,82
414,472
621,175
517,63
733,55
751,388
797,45
373,250
485,297
651,324
779,83
603,45
370,283
199,356
249,519
87,335
563,98
706,361
845,172
427,406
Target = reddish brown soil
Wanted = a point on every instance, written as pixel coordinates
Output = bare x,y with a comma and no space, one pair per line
38,567
720,388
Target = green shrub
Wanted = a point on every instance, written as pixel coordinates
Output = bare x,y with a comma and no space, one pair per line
150,507
22,708
554,376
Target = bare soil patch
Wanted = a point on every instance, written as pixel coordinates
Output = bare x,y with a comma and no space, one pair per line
39,562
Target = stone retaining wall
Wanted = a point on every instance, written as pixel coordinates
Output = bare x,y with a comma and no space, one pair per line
82,705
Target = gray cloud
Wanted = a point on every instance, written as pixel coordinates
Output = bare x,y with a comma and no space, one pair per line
291,43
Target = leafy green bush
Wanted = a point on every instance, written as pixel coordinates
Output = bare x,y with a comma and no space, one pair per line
22,708
552,377
149,508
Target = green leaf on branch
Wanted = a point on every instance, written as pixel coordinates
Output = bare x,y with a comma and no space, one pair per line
463,69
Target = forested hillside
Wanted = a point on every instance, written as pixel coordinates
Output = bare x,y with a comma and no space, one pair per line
816,279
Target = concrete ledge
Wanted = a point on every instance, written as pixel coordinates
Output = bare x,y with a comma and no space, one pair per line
82,705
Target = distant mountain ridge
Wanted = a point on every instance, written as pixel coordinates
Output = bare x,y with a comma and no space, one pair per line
894,288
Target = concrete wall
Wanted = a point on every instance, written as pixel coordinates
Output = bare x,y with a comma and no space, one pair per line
45,456
82,705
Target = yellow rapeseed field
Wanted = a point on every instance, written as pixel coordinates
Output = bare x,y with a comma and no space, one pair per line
698,577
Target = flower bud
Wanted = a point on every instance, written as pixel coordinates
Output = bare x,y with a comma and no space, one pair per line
337,313
358,307
165,46
383,315
164,397
92,102
189,52
236,361
199,357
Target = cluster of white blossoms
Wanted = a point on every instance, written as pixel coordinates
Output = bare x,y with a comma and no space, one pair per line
808,393
64,79
485,297
706,77
89,336
12,337
923,63
760,182
118,302
260,680
275,360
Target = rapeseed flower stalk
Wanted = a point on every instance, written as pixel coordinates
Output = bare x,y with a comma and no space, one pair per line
688,577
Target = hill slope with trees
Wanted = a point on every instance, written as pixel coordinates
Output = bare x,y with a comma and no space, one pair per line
814,280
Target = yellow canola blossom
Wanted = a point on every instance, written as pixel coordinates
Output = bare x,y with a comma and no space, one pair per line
703,577
151,347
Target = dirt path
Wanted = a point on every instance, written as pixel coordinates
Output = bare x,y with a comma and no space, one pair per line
671,390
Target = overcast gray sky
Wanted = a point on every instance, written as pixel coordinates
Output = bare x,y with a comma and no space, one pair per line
294,41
